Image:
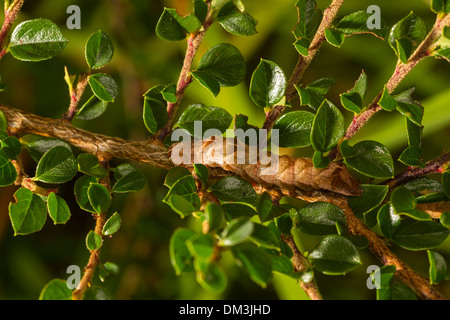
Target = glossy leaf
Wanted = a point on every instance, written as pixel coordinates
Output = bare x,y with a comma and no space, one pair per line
335,255
112,225
92,109
37,146
236,232
370,158
438,267
295,129
202,173
201,245
81,192
200,10
263,237
210,117
56,289
183,197
268,84
335,38
356,23
172,27
88,164
107,269
420,235
155,115
11,147
387,102
328,127
318,218
403,200
99,50
236,22
309,18
58,209
214,216
103,86
93,241
235,189
236,210
8,173
388,220
181,258
314,93
446,183
36,40
373,196
132,181
28,214
99,197
175,174
58,165
210,276
255,262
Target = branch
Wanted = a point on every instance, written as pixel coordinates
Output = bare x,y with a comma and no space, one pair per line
75,96
434,209
400,73
303,62
11,14
437,165
185,77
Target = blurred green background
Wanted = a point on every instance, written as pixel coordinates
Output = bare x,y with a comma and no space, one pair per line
141,61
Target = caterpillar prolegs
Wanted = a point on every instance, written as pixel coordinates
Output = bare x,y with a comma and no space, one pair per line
263,168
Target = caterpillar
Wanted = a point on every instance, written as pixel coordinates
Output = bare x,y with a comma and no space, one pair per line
268,170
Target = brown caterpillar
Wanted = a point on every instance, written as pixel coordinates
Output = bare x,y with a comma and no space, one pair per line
267,170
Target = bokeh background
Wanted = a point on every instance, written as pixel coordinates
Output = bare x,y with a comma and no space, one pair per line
141,61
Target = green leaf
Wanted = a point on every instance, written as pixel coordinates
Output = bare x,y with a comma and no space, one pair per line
99,197
107,269
295,129
255,261
221,66
335,255
99,50
236,210
403,200
353,99
202,173
28,214
412,111
356,23
58,209
445,219
443,53
172,27
264,206
236,22
56,290
58,165
169,93
37,146
183,197
36,40
423,186
3,122
318,218
81,192
200,10
175,174
263,237
112,225
210,276
201,245
236,232
103,86
8,173
181,258
314,94
327,128
11,147
268,84
155,115
420,235
302,45
88,164
387,102
92,109
335,38
93,241
373,196
235,189
132,181
370,158
406,35
388,220
210,117
446,183
213,216
309,18
417,215
438,267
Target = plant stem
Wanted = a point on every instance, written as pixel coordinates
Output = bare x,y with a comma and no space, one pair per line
185,77
75,96
11,14
303,62
400,73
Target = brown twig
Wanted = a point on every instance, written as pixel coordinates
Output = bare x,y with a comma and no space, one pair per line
185,78
75,96
304,62
11,14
